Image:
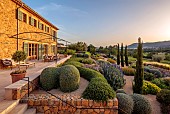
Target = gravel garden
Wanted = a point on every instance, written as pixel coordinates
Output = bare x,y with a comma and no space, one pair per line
84,78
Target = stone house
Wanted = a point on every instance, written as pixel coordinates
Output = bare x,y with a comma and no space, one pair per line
21,28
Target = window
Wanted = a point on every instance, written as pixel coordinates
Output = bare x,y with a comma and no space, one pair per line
46,29
24,17
54,34
35,23
42,27
39,25
31,21
19,15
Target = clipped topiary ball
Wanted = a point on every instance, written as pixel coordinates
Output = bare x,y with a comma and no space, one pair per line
125,103
69,78
141,105
98,90
49,78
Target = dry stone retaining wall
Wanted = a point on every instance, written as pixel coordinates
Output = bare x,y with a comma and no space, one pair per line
50,105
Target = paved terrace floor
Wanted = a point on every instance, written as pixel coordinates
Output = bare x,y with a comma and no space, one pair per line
5,78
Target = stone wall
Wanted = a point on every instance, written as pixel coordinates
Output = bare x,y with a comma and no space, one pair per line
19,89
48,104
8,28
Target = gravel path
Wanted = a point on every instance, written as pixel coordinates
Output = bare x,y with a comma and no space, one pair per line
83,84
152,98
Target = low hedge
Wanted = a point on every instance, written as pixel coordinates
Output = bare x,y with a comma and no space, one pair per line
88,73
87,61
69,78
164,96
128,71
125,103
148,76
98,90
49,78
162,83
74,63
111,61
150,88
141,105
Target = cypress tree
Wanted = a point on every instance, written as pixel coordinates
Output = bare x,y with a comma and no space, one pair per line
118,55
126,56
139,69
121,54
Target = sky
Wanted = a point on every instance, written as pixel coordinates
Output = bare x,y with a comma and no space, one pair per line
107,22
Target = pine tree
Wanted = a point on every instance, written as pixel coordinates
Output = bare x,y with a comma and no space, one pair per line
126,56
121,54
118,55
139,69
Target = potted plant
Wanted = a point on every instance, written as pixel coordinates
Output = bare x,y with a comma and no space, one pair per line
19,74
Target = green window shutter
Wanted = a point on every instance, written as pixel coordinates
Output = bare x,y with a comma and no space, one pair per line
26,48
40,51
32,21
20,15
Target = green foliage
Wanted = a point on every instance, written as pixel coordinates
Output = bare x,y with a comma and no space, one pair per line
70,52
84,55
158,57
150,88
164,96
111,60
167,57
87,61
118,55
148,76
19,56
107,50
139,69
78,59
49,78
162,83
120,91
74,63
126,56
98,90
160,65
141,105
88,73
91,49
156,72
128,71
79,46
113,74
121,55
69,78
125,103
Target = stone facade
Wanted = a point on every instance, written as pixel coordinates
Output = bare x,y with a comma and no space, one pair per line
8,29
48,104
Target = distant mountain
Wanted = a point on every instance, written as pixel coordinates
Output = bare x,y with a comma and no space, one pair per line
160,44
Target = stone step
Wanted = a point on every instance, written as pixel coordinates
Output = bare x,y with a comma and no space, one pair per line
19,109
30,111
7,105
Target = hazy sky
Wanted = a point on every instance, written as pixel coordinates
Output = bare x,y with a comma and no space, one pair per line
107,22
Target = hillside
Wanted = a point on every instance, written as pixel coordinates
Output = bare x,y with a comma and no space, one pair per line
162,44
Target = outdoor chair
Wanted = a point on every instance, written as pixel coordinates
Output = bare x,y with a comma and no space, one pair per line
8,63
27,63
48,58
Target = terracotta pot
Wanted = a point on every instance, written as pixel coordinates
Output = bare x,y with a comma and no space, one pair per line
17,77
